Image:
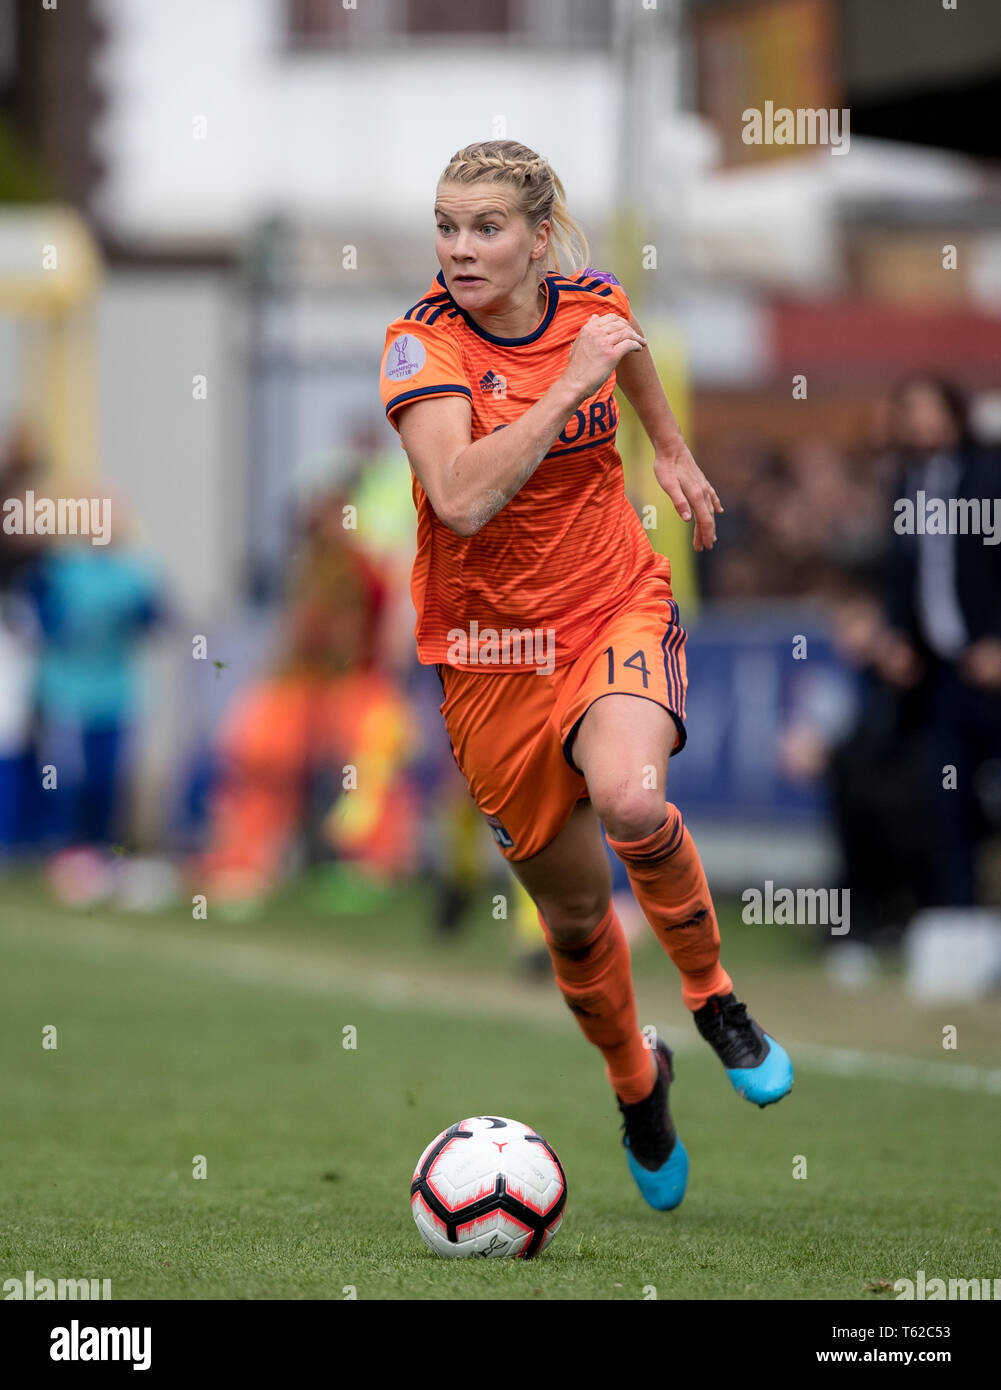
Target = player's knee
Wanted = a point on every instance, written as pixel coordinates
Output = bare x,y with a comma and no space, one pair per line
630,813
574,918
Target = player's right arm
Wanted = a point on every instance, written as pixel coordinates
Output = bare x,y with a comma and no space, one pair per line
467,483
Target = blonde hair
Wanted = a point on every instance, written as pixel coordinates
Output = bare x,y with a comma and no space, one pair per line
539,193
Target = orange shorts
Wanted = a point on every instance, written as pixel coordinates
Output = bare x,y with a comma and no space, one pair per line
512,733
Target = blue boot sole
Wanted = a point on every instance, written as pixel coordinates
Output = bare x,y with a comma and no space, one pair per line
768,1082
664,1187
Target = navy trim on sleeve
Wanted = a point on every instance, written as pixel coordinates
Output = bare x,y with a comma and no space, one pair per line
451,388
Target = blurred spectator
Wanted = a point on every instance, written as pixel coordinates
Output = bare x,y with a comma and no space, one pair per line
314,754
90,607
943,606
866,740
795,522
20,469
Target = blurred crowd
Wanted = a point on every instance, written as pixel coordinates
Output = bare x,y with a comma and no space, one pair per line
332,757
329,758
796,520
914,610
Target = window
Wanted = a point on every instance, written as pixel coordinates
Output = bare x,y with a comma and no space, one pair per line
322,25
458,16
311,21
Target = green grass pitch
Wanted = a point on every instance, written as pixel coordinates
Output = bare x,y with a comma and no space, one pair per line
179,1038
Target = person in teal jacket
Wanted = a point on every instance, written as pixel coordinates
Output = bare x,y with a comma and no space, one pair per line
92,606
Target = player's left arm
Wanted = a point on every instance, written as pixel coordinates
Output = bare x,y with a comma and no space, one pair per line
673,466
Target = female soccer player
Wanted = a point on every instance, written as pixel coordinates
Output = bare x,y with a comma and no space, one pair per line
550,619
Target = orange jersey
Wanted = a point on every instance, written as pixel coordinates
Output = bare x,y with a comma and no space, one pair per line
568,551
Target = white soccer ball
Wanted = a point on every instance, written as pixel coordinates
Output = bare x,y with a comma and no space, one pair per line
488,1186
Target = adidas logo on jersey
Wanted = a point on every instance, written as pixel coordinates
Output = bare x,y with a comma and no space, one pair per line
495,383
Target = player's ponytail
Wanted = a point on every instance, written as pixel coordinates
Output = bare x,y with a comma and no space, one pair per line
541,196
569,250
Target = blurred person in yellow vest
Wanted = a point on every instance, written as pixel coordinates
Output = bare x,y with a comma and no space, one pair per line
328,732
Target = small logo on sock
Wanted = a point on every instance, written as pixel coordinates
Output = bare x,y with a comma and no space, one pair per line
694,921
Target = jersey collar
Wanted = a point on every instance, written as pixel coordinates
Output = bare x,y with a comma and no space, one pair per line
552,299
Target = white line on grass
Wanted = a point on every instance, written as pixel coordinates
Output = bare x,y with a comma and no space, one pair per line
326,973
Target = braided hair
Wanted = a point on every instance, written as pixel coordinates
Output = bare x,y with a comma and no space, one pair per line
540,194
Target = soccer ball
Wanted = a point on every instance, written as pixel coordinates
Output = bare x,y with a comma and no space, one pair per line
488,1186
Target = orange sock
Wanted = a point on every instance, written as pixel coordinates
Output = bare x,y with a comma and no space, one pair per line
670,886
597,984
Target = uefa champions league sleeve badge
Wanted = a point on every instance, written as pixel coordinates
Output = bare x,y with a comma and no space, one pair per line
405,357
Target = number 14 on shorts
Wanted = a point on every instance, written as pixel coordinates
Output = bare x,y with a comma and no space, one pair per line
636,662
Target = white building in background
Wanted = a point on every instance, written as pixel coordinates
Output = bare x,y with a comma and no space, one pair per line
219,113
278,131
